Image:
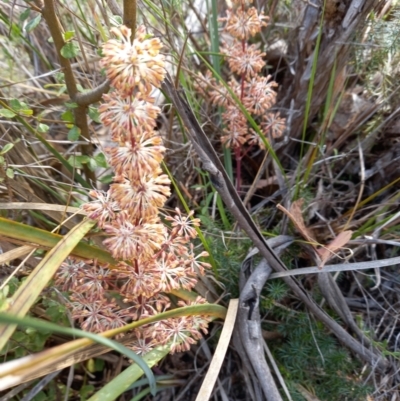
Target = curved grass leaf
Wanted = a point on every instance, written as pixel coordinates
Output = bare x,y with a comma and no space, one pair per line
41,325
27,293
43,238
125,379
64,355
309,98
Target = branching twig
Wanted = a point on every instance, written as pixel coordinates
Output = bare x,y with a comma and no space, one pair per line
93,96
49,14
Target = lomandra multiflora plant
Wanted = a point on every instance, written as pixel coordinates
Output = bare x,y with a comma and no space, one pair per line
254,90
154,258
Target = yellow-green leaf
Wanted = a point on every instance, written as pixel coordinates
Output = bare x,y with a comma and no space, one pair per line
31,288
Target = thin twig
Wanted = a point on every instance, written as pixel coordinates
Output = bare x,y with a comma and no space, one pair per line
92,96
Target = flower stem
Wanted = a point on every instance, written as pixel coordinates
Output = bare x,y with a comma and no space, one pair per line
130,16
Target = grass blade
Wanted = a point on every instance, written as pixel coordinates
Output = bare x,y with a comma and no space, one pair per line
31,288
41,325
43,238
33,366
124,380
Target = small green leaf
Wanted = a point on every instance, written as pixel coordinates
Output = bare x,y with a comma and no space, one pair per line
83,159
1,160
4,302
94,114
71,105
21,107
55,310
78,161
69,35
74,133
33,23
101,160
107,179
116,20
69,50
67,116
10,173
40,396
13,284
24,15
99,365
42,128
92,164
90,365
86,390
7,147
27,112
7,113
60,76
19,336
4,292
29,330
16,105
63,89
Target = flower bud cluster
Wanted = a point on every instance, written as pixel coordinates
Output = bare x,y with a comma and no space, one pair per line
255,91
154,252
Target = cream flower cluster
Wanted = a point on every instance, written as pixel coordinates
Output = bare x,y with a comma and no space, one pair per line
154,251
254,90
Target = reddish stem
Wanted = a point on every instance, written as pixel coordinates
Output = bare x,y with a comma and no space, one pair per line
238,158
237,150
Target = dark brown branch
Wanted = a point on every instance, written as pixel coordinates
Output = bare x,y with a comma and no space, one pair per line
49,14
82,99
